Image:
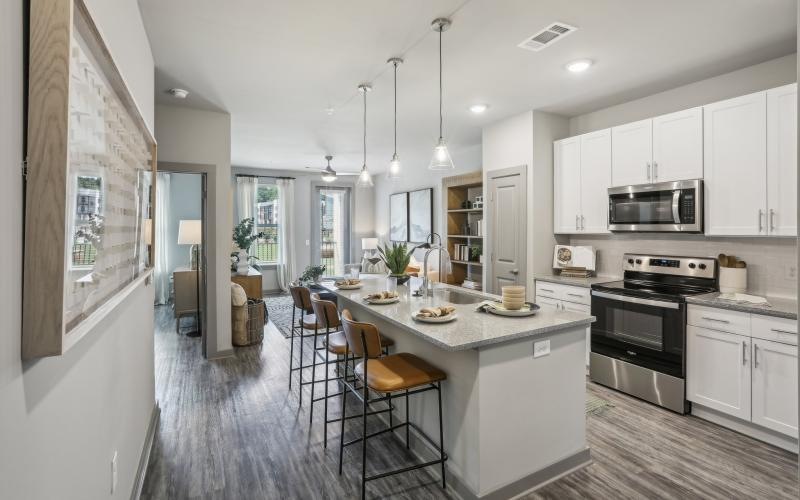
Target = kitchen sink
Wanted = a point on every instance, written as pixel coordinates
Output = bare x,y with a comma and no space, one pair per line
457,297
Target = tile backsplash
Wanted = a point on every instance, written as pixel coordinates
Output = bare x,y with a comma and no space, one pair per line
771,262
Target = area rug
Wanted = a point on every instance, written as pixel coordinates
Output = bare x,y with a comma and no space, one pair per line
595,405
280,308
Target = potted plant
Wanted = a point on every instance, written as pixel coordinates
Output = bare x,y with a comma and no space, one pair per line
476,254
396,259
244,237
312,274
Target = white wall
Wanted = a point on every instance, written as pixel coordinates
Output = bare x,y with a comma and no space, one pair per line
202,140
185,203
62,418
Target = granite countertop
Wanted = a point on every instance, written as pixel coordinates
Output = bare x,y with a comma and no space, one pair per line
778,307
471,330
582,282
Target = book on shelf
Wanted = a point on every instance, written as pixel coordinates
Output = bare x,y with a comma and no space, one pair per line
463,252
472,285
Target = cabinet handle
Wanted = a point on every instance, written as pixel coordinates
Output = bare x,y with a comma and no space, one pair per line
577,222
716,319
778,330
583,223
649,175
771,219
744,352
760,226
755,355
575,295
655,171
545,290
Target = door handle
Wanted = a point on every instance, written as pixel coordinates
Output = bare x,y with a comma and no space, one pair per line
649,174
744,352
771,219
515,271
755,355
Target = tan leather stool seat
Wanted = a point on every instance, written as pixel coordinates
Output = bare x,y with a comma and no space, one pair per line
398,372
338,343
309,322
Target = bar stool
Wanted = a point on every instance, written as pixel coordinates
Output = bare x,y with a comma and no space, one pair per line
385,375
334,343
301,297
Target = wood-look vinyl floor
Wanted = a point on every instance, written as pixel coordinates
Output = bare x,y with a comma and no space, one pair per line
232,429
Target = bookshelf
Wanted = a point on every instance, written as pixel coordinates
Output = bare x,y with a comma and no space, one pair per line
461,226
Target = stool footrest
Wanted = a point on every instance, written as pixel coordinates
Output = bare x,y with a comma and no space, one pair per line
406,469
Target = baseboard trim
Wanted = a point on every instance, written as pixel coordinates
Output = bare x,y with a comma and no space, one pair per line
225,353
144,458
747,428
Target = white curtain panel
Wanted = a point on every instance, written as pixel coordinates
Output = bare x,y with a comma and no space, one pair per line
161,271
247,188
286,262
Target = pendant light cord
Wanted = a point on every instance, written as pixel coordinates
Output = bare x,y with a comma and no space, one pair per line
441,134
395,109
365,128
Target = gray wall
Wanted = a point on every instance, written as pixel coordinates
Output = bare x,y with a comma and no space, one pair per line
771,261
185,192
62,418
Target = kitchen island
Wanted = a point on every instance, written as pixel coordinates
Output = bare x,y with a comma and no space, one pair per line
512,420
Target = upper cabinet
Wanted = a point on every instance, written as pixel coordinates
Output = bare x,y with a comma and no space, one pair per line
582,177
782,160
661,149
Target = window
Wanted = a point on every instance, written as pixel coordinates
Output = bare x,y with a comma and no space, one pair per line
266,215
331,225
87,229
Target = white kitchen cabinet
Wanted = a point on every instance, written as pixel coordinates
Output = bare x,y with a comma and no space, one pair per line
584,309
782,160
678,146
582,176
718,371
567,185
735,166
632,153
566,298
775,386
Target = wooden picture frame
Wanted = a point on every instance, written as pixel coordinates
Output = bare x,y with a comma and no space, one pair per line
90,181
420,215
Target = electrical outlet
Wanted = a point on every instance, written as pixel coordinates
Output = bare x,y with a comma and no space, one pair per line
114,472
790,272
541,348
308,243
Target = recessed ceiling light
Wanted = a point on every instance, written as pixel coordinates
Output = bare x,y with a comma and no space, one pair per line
579,65
330,110
478,108
178,93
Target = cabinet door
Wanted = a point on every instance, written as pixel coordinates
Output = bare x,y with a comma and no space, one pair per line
678,146
632,153
782,160
582,308
595,181
775,386
547,302
735,166
718,371
566,185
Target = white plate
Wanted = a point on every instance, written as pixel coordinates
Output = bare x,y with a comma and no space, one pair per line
382,301
514,314
347,287
440,319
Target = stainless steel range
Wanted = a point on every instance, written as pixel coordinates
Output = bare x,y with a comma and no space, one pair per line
639,338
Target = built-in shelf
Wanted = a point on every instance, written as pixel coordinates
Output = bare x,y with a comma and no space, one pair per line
465,210
468,262
460,191
468,236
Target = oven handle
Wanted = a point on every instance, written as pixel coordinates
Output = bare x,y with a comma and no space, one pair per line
636,300
676,214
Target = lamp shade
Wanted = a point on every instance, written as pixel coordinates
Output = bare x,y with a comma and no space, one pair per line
369,243
190,232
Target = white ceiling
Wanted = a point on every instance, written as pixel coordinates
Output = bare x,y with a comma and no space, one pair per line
276,65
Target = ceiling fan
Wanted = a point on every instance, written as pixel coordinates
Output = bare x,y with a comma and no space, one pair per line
330,175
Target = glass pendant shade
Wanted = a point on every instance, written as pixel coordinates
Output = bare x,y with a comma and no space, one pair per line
328,176
441,157
395,168
364,178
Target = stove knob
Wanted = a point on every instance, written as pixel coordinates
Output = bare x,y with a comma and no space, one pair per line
702,266
630,261
638,261
692,265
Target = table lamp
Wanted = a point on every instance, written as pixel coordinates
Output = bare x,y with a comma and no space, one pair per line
190,232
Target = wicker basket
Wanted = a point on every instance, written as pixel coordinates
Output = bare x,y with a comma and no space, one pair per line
256,319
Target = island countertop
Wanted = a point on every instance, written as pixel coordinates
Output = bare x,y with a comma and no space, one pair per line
470,330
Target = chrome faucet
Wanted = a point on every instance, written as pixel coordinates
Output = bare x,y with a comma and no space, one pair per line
426,290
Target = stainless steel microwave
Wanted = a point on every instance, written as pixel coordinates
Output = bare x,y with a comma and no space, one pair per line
663,206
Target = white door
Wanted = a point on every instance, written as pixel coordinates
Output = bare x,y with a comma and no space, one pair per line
566,185
508,216
632,154
775,386
735,166
678,146
584,309
595,181
718,371
782,160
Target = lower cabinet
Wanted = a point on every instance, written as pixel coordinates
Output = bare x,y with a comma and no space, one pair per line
774,396
566,298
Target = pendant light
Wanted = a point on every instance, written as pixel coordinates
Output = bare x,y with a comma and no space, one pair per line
364,178
441,159
329,174
394,166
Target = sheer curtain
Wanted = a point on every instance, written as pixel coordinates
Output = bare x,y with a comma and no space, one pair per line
247,188
161,271
286,264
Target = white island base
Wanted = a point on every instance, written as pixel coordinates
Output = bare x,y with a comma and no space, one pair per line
512,422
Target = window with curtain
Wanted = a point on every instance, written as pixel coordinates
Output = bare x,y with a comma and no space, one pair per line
259,199
331,226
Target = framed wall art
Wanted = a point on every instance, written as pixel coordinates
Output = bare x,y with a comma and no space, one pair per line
398,217
420,215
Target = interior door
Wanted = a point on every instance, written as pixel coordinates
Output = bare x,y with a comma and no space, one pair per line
782,160
632,153
566,185
775,386
678,146
718,371
201,267
735,166
595,181
508,209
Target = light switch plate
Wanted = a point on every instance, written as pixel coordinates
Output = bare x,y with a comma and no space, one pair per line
541,348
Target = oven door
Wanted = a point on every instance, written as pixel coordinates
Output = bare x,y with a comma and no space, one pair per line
668,206
645,332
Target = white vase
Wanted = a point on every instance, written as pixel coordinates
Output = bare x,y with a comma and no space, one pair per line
243,266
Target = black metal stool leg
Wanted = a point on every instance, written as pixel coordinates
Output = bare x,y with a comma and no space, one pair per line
391,413
407,424
364,437
441,434
327,378
302,341
313,374
291,348
344,414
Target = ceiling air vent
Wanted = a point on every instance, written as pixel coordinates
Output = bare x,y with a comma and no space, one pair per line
547,36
